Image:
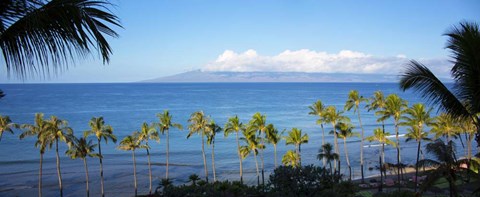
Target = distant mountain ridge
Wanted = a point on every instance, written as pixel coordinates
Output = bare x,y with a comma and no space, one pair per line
203,76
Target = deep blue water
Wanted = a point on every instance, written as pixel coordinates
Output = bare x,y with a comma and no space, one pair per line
126,106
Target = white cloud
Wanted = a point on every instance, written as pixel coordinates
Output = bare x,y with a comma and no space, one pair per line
305,60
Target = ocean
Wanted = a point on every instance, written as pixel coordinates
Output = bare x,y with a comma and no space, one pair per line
125,106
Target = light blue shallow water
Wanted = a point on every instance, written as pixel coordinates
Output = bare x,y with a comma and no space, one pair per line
127,106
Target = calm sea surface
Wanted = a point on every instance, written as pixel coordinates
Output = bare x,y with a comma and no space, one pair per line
126,106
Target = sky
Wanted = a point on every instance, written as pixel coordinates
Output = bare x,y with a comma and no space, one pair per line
161,38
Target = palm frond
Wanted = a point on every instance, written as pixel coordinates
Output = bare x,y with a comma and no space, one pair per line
47,37
423,81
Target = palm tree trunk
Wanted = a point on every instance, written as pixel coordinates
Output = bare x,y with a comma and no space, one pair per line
86,175
275,154
256,166
261,157
204,159
361,148
380,187
298,154
383,144
213,162
101,167
323,143
335,144
40,176
398,153
240,159
346,157
149,171
416,165
134,172
58,169
167,151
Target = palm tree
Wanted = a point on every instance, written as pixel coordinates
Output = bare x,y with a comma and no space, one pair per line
59,131
100,131
380,136
273,137
81,149
131,143
326,152
344,132
212,130
38,129
417,117
462,102
445,164
37,37
445,125
296,138
252,145
291,158
194,178
394,107
147,132
165,124
354,100
318,109
333,116
234,125
259,123
6,125
377,102
198,123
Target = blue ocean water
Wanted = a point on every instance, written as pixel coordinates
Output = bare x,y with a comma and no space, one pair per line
126,106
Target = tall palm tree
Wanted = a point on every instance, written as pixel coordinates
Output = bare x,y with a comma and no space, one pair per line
38,37
6,125
165,125
327,152
259,123
296,138
212,130
445,163
291,159
377,102
445,125
234,125
345,130
353,101
39,129
252,146
146,133
380,136
81,148
462,100
100,131
318,109
417,117
394,108
131,143
59,131
198,123
273,137
334,116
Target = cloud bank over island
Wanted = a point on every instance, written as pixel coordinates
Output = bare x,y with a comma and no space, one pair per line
309,61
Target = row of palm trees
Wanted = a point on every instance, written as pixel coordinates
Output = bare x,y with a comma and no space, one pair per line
416,118
253,137
52,131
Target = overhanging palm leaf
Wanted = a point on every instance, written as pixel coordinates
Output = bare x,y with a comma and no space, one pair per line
420,78
35,35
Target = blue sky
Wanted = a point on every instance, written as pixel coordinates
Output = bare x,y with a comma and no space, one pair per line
162,38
